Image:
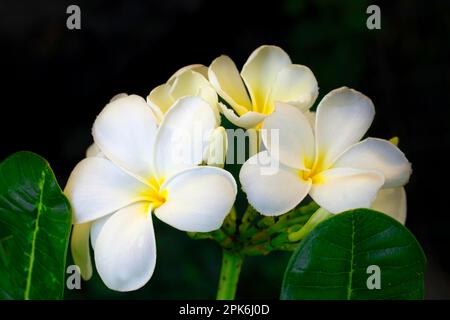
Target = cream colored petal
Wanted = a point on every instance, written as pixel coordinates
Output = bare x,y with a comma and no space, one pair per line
160,98
379,155
118,96
225,78
200,68
191,83
392,202
343,117
96,187
341,189
79,246
248,120
217,148
187,83
125,131
94,151
198,199
260,71
295,84
182,137
288,137
125,250
272,188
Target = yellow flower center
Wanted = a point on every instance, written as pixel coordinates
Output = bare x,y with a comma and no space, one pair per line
314,171
155,194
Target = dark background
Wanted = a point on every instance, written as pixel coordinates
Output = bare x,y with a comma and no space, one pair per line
55,81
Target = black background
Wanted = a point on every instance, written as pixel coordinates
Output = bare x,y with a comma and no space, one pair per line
55,81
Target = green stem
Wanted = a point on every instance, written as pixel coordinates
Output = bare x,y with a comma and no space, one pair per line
317,217
229,275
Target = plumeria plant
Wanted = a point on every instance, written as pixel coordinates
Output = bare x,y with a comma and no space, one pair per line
309,182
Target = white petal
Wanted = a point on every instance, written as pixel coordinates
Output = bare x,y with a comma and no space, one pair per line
198,199
187,83
79,246
260,71
191,83
125,132
379,155
311,116
96,227
119,96
210,95
217,148
342,189
272,188
225,78
392,202
296,85
249,120
161,97
94,151
343,117
182,138
125,250
288,136
199,68
97,187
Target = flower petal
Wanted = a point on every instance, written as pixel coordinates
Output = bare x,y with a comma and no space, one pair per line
272,188
260,72
198,199
248,120
125,250
392,202
182,138
119,96
191,83
94,151
343,117
199,68
295,84
96,227
379,155
160,100
97,187
79,246
288,136
342,189
225,78
125,132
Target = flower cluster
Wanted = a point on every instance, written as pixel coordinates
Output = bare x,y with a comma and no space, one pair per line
165,156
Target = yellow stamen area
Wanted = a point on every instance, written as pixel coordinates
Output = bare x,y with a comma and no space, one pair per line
314,170
155,195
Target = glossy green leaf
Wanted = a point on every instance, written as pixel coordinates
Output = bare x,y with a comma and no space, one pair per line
339,258
35,223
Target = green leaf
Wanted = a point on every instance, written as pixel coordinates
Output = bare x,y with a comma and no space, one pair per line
35,221
332,261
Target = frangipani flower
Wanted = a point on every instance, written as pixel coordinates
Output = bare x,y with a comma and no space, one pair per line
329,164
188,81
268,76
142,172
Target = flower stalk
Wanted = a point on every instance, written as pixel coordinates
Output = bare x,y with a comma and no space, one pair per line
229,275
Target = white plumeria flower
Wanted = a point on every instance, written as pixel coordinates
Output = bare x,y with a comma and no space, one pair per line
391,201
329,163
113,196
191,80
269,76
